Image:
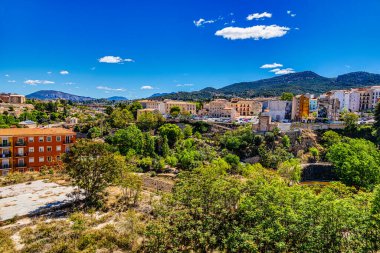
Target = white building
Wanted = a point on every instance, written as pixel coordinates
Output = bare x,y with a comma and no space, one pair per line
354,104
344,98
278,110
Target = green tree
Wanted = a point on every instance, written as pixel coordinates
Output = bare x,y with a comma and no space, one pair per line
287,96
129,138
357,162
330,138
95,132
175,111
351,121
315,153
172,132
286,141
165,146
150,120
187,131
291,170
148,145
93,167
134,107
120,118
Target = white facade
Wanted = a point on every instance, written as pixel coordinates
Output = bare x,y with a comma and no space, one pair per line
354,104
375,95
344,98
277,109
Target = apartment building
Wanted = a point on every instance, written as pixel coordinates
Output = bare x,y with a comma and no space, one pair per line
219,108
328,108
184,106
278,110
153,104
12,98
246,107
300,107
26,149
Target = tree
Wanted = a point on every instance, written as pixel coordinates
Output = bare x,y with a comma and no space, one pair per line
131,185
287,96
149,120
233,161
187,131
134,107
165,146
291,170
95,132
351,121
315,153
93,167
356,162
377,120
172,132
148,145
286,141
129,138
175,111
330,138
120,118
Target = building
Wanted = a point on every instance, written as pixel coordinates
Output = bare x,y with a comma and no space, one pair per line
328,108
300,107
153,104
219,108
354,104
278,110
145,111
375,96
246,107
28,124
184,106
343,96
265,124
26,149
12,98
313,105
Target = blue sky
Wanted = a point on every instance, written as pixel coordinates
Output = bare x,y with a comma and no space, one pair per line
135,48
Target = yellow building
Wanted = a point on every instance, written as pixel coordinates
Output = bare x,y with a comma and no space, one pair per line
246,107
184,106
300,107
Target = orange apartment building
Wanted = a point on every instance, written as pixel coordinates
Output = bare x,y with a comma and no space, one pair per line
26,149
300,107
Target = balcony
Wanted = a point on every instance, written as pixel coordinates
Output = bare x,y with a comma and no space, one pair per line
21,154
5,145
68,141
20,144
5,166
2,156
20,165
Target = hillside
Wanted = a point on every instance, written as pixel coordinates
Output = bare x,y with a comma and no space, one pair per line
117,98
52,94
297,83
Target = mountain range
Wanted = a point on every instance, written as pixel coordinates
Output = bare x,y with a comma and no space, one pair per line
52,94
296,83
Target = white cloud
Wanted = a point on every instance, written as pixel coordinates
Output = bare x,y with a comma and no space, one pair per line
11,81
35,82
114,59
291,14
283,71
64,72
49,72
255,32
6,75
146,87
185,85
93,68
202,21
106,88
69,83
271,65
259,15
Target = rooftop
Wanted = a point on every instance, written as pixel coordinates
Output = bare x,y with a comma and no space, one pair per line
33,131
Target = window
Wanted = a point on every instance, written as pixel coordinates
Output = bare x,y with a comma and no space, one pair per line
48,158
49,149
31,139
31,149
58,138
41,159
41,149
58,158
58,148
48,139
41,139
31,159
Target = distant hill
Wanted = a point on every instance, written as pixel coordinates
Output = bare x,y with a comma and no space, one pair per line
161,94
52,94
296,83
117,98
